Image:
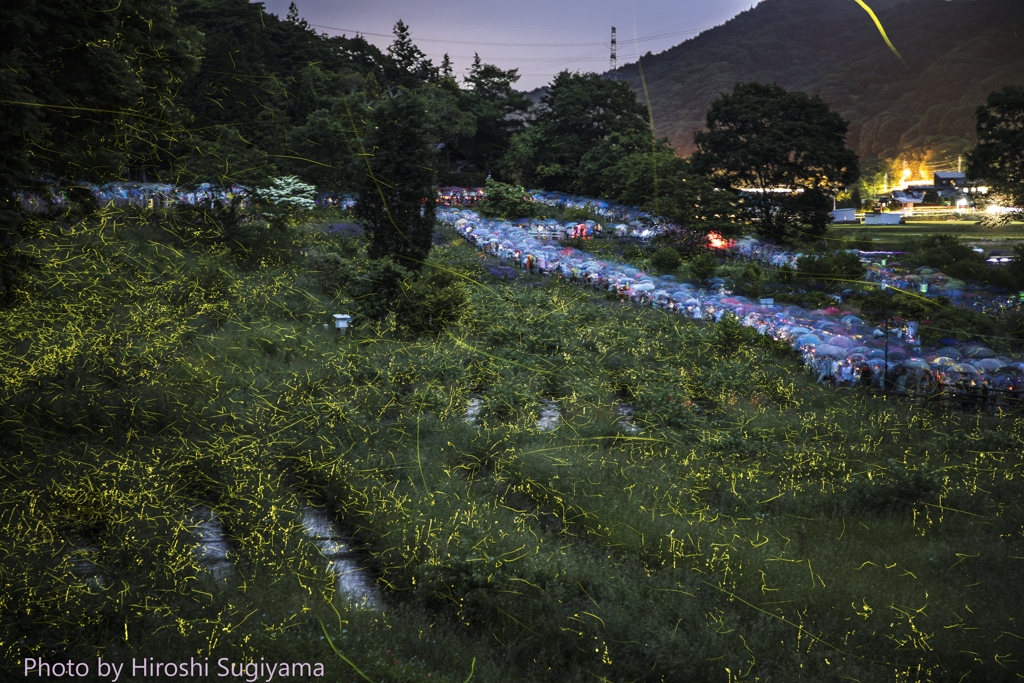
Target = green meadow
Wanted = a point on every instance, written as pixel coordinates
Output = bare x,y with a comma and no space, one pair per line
897,236
742,524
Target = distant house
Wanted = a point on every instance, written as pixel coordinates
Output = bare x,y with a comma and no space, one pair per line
909,198
845,216
950,180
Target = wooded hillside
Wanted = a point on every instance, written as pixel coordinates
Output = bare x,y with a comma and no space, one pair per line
954,53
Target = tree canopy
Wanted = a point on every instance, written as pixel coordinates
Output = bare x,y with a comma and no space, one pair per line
577,113
87,92
396,187
998,160
784,151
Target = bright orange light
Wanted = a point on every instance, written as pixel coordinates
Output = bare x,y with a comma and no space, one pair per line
715,241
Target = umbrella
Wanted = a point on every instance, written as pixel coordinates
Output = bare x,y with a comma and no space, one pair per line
944,362
950,352
857,357
830,351
806,339
964,368
917,365
980,352
989,364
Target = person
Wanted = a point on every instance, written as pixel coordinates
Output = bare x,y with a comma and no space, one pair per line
865,375
901,383
846,376
879,379
824,371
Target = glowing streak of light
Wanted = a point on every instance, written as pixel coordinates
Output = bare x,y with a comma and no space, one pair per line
881,30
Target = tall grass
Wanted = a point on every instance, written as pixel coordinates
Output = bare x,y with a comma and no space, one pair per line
757,528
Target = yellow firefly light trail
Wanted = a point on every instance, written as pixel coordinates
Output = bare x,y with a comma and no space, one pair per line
881,30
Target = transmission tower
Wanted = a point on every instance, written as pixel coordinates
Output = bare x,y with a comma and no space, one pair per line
614,59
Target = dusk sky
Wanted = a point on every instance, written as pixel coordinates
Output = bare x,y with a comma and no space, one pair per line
539,37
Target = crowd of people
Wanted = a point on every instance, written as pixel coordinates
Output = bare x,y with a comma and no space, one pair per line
838,346
984,392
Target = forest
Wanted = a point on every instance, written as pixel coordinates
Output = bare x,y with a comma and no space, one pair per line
918,106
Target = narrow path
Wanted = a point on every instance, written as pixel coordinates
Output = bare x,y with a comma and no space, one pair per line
213,548
354,582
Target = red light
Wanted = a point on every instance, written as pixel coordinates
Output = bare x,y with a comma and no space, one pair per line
715,241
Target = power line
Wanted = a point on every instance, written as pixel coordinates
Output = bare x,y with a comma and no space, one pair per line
684,28
458,42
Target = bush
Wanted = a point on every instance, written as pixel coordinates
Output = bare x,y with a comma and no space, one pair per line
505,201
950,255
749,280
1000,220
666,259
952,321
704,265
579,213
378,290
839,268
430,302
331,273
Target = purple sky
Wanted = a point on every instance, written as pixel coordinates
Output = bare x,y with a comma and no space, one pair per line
539,37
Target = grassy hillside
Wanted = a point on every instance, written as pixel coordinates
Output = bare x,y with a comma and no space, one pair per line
757,528
956,52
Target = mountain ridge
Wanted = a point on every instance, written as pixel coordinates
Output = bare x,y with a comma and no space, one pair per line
954,53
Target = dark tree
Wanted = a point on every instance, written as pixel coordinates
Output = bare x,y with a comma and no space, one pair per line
998,160
395,184
88,91
498,110
784,151
408,65
446,71
577,112
700,208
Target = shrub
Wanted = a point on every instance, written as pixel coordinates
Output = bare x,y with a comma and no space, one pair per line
331,272
505,201
835,269
666,259
579,213
704,265
749,280
378,290
950,255
430,302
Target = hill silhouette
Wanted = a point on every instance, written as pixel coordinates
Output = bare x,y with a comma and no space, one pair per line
955,52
